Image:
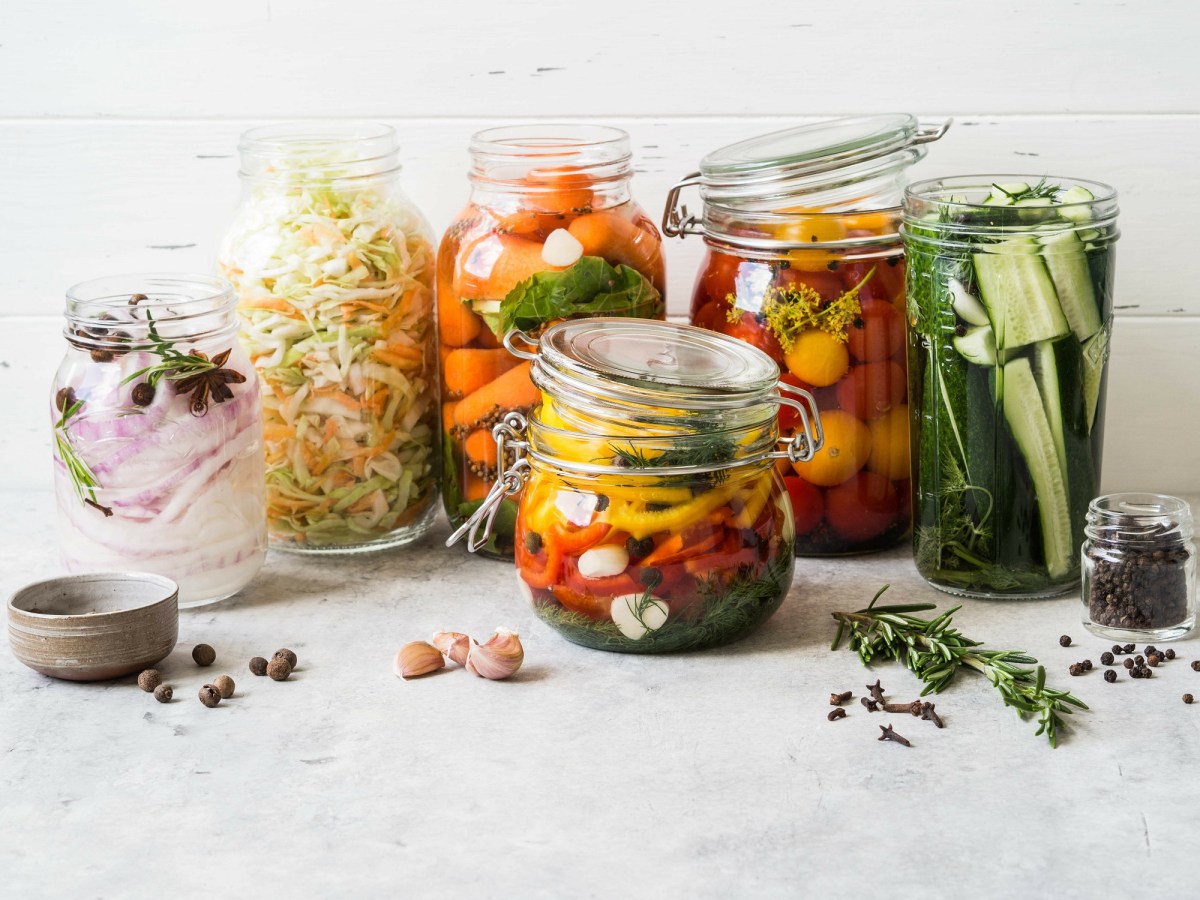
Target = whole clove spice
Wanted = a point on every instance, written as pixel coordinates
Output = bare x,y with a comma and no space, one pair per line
839,699
876,691
913,709
835,714
870,704
929,714
889,734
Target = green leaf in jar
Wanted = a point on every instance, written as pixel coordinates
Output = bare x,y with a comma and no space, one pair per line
589,287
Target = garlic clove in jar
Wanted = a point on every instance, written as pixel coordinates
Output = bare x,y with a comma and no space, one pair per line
636,615
561,248
500,657
416,659
603,561
453,644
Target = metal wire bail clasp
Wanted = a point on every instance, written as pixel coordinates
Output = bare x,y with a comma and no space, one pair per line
508,434
677,222
809,437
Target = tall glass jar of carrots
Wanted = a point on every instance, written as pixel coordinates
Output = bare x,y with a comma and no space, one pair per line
551,233
804,261
334,270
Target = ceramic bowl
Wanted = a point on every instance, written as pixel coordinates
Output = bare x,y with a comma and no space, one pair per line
93,627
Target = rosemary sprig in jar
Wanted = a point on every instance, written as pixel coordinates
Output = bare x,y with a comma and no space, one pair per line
934,651
189,373
80,473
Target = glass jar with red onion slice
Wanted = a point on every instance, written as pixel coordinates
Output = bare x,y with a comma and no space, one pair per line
158,454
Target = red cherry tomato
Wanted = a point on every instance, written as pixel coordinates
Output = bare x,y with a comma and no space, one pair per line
862,507
826,283
717,277
877,333
872,389
808,504
757,334
710,315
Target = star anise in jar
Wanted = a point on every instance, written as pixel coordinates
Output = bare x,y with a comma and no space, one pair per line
210,383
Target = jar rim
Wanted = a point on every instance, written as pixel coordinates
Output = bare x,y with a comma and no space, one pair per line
927,189
199,305
508,155
289,152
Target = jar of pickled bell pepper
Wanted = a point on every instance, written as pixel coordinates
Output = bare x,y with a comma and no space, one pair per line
652,517
551,232
334,269
804,261
158,456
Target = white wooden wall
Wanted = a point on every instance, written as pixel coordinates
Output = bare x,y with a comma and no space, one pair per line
119,120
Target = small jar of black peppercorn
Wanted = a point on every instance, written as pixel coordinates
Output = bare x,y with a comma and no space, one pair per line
1139,567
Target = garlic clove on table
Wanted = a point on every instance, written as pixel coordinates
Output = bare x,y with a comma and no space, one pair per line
498,658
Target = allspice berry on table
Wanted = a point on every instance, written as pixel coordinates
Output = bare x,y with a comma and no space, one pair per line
279,669
163,693
287,654
210,696
224,684
258,666
149,680
204,655
1188,698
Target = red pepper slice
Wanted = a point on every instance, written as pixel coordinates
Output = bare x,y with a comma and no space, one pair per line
577,541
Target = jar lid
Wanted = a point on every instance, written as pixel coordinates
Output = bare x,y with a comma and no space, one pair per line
640,360
809,149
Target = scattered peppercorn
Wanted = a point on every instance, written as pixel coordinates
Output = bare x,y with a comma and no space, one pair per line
143,394
1140,660
1128,663
1152,660
279,669
1129,648
1146,672
288,655
533,542
1076,668
650,577
258,665
1151,649
64,399
210,696
637,548
149,680
1106,658
602,502
1188,698
102,356
1110,675
204,655
835,714
163,693
1064,641
224,684
1196,665
1087,665
1135,672
1118,649
1170,653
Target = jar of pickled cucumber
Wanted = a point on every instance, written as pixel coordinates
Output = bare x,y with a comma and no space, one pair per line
651,516
551,232
804,261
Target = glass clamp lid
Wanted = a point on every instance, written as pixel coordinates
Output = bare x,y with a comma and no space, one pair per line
661,363
805,165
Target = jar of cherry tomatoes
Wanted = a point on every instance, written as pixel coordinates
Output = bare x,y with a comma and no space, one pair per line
804,261
652,517
551,232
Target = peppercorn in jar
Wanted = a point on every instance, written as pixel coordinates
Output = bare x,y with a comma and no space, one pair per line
652,517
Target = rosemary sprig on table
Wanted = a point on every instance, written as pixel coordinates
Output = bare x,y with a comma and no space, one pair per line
80,473
934,651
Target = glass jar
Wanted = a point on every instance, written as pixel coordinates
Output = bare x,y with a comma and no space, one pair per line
1010,283
158,457
652,517
1139,567
804,261
551,232
334,270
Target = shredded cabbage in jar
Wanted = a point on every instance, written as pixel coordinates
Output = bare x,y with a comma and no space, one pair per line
336,302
